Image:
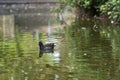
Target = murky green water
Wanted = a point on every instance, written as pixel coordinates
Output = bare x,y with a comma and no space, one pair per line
86,51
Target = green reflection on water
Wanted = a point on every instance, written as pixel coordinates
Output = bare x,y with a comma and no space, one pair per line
94,50
84,52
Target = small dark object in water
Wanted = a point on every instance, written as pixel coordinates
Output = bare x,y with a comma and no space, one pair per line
46,47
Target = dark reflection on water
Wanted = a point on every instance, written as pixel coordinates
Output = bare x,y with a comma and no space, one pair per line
87,51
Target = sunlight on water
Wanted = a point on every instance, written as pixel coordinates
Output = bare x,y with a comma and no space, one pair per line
49,28
56,56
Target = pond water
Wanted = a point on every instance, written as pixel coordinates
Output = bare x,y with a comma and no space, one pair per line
84,50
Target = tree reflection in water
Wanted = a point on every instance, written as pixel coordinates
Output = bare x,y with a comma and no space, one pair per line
81,54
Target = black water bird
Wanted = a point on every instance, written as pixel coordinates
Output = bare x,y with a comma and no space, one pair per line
46,47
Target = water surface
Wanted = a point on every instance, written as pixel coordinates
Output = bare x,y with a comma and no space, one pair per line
84,50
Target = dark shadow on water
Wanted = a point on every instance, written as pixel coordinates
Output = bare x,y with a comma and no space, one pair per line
40,54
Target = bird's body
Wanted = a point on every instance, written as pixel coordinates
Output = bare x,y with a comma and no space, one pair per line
46,47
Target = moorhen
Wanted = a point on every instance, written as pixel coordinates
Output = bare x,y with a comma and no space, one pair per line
46,47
